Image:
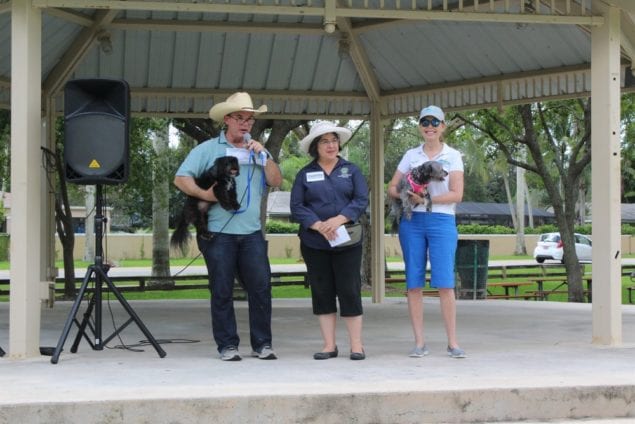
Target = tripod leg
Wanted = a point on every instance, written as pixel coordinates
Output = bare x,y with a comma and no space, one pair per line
133,315
71,316
117,331
82,327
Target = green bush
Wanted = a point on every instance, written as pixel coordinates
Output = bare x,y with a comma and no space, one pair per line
628,229
4,247
484,229
281,227
547,228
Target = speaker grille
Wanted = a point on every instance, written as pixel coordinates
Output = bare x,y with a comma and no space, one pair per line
96,147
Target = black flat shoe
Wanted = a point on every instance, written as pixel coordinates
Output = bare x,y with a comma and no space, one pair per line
358,356
325,355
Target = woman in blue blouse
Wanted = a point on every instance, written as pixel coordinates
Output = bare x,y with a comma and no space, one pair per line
328,193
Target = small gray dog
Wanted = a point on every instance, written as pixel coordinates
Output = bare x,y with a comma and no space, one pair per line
415,181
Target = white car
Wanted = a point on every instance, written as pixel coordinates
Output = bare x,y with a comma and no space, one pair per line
549,246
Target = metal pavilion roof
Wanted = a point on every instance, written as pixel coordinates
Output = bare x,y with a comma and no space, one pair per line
180,57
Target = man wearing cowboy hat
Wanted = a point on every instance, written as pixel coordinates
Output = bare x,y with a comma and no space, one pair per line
237,244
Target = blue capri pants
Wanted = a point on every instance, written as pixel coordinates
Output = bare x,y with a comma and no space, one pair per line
429,235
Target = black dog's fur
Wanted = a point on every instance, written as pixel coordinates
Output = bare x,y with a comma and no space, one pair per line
223,173
421,175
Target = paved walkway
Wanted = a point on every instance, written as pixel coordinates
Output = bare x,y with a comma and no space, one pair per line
527,361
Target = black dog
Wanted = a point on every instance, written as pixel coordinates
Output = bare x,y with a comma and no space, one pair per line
223,173
415,181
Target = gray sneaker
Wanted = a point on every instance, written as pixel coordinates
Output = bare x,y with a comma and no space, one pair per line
265,353
230,353
456,352
419,352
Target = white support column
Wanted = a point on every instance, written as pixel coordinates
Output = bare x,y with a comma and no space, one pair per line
377,203
26,169
605,180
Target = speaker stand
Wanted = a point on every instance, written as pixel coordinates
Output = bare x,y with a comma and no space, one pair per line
99,273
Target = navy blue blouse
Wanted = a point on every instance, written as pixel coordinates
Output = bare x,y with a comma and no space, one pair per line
316,196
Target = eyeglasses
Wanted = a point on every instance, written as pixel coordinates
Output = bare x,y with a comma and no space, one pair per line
325,142
242,120
424,122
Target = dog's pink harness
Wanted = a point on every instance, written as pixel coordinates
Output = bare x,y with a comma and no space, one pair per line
416,188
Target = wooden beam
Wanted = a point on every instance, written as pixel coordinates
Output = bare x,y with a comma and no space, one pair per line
76,52
340,12
353,47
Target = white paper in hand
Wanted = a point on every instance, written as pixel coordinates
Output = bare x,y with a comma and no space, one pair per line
342,236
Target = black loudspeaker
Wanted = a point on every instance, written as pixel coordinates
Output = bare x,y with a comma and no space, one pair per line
96,115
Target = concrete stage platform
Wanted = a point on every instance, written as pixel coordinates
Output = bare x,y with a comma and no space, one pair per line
528,361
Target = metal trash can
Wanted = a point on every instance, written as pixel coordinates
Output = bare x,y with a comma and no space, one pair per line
471,263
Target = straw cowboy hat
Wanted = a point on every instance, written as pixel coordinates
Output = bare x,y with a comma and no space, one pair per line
235,103
321,128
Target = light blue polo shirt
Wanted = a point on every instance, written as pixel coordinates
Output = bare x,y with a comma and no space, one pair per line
250,186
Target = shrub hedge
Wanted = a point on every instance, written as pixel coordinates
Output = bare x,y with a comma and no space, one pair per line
4,247
283,227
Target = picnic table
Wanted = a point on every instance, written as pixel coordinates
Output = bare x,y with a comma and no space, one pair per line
562,282
508,285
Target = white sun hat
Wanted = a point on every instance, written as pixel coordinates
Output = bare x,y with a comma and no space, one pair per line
319,129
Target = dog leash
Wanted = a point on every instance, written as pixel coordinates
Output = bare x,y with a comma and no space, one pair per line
250,176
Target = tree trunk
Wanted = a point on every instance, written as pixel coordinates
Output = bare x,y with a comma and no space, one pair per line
520,212
570,258
160,212
510,200
63,221
279,130
581,205
530,207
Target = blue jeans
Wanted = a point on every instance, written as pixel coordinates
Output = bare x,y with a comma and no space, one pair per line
244,256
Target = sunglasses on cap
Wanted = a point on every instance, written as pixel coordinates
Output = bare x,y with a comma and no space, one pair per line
424,122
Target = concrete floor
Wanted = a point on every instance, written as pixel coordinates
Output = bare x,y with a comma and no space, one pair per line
528,361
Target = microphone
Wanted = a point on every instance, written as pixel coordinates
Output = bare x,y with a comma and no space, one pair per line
263,155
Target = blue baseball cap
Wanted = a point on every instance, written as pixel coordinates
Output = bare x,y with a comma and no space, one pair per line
434,111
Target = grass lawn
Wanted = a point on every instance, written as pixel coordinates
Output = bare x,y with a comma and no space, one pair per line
173,262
